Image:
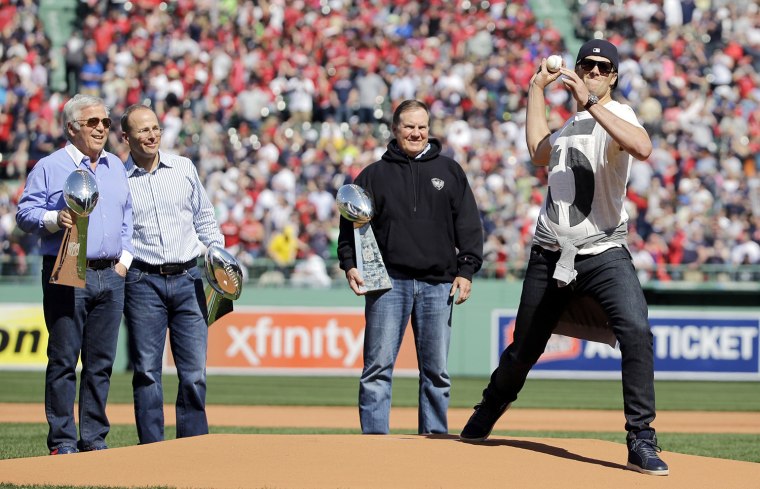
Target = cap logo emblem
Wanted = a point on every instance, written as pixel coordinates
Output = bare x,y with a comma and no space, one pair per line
597,50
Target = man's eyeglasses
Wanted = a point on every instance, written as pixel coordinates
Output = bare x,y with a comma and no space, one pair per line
144,132
605,67
94,121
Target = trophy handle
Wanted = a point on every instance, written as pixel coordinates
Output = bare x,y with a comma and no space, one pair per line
71,263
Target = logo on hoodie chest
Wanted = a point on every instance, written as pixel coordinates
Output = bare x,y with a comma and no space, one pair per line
437,183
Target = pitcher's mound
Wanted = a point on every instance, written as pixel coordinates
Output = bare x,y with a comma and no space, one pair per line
365,461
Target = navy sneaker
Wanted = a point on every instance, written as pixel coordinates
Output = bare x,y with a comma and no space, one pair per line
63,450
95,448
481,423
642,453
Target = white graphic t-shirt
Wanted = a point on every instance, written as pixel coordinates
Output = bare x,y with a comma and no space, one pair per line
588,172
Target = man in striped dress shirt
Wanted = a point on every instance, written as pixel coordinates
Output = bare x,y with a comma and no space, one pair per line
173,220
80,320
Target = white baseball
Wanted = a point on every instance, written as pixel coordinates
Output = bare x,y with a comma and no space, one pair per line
554,63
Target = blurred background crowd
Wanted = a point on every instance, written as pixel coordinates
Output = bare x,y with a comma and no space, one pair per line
279,103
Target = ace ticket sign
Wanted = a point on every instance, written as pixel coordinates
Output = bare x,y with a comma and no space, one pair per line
687,345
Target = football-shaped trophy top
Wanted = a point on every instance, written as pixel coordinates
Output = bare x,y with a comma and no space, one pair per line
223,273
354,203
81,192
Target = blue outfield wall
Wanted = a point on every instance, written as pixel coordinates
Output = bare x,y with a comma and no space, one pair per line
691,342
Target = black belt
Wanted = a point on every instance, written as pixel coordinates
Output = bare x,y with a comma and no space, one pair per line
101,264
166,268
91,264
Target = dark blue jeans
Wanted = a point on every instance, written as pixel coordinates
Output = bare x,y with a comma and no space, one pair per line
153,304
610,279
80,322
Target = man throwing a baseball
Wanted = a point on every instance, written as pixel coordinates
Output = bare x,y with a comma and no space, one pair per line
579,250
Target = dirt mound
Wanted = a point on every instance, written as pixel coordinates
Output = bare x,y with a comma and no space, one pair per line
357,461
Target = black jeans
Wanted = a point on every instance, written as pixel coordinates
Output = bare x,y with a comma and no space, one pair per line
611,280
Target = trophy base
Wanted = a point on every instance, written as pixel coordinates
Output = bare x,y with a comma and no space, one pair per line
216,305
369,261
71,263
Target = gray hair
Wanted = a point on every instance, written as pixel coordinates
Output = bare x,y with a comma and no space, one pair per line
74,107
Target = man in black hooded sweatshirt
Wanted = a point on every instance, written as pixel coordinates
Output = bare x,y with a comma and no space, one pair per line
429,233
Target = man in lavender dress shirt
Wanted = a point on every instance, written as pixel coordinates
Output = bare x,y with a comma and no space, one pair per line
81,321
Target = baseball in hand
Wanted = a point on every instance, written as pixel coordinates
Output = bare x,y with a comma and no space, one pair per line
554,63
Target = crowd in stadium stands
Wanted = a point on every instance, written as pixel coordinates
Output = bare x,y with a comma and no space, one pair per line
279,103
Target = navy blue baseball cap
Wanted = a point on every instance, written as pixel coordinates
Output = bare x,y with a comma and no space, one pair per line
599,47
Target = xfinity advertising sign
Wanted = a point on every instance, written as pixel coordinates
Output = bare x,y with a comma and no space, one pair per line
687,345
293,341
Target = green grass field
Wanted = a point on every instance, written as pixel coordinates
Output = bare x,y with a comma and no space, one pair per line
27,440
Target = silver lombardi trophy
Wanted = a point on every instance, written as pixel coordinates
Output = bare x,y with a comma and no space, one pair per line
225,282
81,195
356,205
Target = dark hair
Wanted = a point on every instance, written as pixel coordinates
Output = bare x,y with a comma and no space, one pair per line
128,112
407,105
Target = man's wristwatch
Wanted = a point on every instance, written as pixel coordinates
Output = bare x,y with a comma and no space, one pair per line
592,99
